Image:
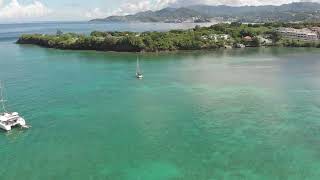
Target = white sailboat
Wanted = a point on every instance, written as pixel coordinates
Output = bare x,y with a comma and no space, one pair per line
8,120
139,74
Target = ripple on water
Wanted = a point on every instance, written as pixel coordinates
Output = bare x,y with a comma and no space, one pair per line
152,170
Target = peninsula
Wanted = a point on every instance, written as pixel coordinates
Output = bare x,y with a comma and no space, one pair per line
222,35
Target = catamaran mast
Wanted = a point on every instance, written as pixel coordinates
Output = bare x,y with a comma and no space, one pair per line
1,98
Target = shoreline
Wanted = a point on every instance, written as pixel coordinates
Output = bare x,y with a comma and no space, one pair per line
175,52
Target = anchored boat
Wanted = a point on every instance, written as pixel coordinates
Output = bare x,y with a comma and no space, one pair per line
8,120
139,74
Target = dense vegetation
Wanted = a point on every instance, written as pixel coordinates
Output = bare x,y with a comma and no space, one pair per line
294,12
215,36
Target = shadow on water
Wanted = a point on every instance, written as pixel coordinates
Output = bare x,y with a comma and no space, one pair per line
178,55
15,133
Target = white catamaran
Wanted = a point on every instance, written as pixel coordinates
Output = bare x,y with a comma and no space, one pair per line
9,119
139,74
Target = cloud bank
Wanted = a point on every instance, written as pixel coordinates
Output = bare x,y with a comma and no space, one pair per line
36,10
16,10
134,6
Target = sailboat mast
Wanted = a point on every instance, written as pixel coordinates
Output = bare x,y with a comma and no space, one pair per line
1,97
138,66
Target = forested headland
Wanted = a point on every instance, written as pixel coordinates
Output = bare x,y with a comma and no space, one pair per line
223,35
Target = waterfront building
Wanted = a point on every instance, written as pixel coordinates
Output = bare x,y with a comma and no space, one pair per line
301,34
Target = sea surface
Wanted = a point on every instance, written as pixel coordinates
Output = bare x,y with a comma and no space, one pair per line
203,115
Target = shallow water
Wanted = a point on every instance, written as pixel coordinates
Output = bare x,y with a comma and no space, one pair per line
233,114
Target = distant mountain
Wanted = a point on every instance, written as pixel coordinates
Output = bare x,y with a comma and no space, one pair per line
301,11
167,14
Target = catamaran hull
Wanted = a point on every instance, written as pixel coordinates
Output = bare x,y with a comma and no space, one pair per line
4,127
20,122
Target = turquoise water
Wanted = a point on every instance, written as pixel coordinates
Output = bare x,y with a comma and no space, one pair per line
234,114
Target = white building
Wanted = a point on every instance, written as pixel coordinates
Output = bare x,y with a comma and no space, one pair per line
317,30
216,37
301,34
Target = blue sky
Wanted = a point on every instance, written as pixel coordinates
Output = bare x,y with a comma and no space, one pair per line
69,10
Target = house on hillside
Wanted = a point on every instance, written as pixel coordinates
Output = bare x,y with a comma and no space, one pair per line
247,38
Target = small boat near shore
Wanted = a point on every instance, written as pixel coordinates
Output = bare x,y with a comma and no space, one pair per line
139,74
8,120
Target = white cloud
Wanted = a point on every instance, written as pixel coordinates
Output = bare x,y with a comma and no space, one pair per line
15,10
95,13
135,6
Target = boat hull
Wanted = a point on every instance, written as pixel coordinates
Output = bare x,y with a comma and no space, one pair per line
139,76
5,127
8,126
